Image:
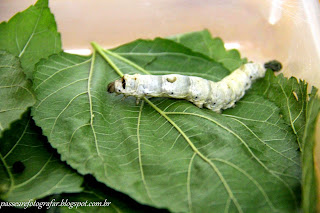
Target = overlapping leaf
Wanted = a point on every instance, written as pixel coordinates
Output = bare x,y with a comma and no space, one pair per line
309,179
167,153
290,96
31,35
29,167
15,90
163,56
202,41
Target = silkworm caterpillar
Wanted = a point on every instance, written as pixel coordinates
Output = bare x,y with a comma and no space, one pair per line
215,96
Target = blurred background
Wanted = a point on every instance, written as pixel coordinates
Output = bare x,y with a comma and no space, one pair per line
286,30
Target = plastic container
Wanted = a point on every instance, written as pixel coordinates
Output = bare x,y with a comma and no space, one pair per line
286,30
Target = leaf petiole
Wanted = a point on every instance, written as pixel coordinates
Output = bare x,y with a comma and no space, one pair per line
104,54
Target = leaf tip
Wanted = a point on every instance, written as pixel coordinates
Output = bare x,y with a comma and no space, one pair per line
42,3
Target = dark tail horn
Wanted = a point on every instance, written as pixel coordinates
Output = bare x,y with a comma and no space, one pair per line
274,65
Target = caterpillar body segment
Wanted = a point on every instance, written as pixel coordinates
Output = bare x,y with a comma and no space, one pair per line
201,92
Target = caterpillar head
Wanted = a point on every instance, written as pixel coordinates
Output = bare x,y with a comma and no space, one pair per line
111,87
125,85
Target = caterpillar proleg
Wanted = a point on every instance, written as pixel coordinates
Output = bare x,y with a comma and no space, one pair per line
215,96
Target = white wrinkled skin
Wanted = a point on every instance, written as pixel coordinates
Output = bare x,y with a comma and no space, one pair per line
203,93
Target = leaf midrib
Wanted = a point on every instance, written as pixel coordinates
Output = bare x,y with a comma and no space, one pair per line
16,144
189,183
161,54
243,142
194,148
289,112
9,174
197,152
90,103
31,36
35,176
140,155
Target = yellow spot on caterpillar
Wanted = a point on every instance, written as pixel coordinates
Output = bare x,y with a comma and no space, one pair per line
295,95
172,79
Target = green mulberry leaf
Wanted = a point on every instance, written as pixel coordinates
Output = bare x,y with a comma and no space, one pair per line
15,90
309,177
110,200
202,42
29,168
167,153
31,35
290,95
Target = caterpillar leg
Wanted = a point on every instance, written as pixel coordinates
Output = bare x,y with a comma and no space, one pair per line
137,101
124,97
230,105
200,105
219,111
233,105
